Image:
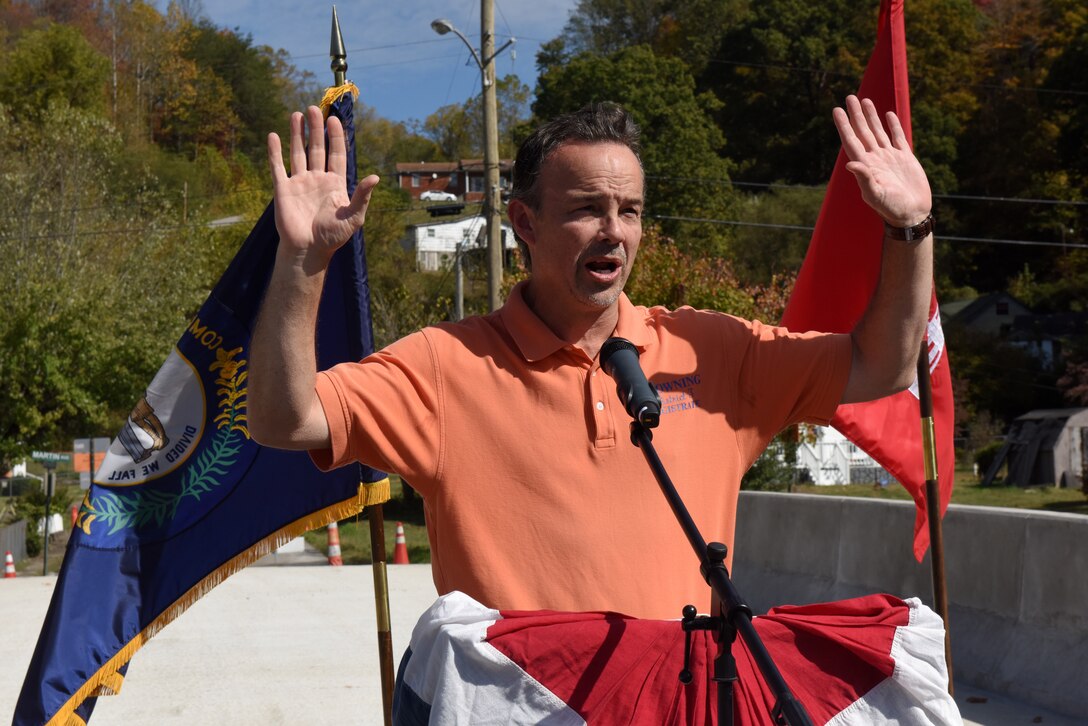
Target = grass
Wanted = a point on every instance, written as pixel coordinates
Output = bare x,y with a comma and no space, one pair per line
968,491
355,532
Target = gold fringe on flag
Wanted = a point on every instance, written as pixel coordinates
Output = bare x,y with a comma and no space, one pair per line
107,680
334,94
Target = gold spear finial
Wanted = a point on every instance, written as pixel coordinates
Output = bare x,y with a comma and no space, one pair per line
337,53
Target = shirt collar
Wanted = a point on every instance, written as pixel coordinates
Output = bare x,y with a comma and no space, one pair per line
536,340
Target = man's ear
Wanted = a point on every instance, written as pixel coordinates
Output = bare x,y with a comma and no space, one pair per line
522,220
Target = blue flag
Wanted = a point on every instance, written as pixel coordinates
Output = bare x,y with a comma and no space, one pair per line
185,498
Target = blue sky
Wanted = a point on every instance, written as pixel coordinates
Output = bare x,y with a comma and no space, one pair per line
402,67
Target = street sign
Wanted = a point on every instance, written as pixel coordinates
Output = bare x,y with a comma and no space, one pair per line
83,448
50,457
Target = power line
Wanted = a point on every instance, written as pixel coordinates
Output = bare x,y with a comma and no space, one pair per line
779,185
913,77
806,228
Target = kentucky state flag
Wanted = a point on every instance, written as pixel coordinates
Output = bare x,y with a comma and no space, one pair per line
185,498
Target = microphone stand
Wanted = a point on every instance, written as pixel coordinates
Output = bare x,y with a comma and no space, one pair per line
734,614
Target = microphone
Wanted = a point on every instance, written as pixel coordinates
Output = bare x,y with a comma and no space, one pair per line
619,359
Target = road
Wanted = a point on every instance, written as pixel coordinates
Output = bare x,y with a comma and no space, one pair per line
291,642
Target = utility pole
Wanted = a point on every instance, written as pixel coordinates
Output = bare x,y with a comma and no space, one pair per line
485,60
492,200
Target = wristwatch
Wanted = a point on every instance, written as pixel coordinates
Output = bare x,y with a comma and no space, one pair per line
910,234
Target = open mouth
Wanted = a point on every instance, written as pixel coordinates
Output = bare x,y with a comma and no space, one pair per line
604,268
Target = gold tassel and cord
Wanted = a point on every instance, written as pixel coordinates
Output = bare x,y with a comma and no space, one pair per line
334,94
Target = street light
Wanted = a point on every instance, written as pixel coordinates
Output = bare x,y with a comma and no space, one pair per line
484,61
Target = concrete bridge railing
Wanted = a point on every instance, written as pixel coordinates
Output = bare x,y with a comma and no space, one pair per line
1017,581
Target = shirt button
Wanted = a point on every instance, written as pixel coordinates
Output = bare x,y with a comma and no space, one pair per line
600,405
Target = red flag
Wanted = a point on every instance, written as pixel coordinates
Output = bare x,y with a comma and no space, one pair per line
837,280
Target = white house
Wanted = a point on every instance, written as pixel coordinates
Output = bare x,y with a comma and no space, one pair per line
834,459
435,243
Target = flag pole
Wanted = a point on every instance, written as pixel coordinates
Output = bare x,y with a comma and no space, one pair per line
933,503
375,514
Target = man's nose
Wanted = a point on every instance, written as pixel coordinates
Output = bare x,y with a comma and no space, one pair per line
610,229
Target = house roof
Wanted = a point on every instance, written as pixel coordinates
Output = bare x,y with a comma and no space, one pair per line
478,164
966,311
426,167
445,167
460,221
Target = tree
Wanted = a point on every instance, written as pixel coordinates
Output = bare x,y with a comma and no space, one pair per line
54,62
381,143
686,179
781,67
765,246
1023,116
458,129
686,29
454,132
666,275
996,378
255,92
92,258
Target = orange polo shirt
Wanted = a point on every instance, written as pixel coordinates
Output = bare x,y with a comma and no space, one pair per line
534,495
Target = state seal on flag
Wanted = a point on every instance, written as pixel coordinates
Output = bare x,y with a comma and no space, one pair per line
184,444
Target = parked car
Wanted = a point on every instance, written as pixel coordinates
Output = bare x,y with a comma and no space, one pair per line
433,195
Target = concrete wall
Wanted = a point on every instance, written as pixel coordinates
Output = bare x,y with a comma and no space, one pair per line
1017,580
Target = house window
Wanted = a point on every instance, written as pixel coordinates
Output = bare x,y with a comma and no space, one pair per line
415,181
430,231
476,184
453,178
1003,308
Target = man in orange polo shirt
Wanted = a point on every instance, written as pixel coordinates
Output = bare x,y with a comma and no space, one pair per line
535,498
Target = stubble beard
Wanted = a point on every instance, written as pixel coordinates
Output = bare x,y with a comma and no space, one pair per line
595,296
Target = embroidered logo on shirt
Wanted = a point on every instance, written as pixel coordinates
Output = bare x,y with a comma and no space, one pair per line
679,394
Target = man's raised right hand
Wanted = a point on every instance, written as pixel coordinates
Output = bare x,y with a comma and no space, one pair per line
314,215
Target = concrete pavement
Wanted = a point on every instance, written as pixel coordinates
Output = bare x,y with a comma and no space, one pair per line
288,643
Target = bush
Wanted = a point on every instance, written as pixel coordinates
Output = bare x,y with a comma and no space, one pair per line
772,471
984,457
33,540
31,507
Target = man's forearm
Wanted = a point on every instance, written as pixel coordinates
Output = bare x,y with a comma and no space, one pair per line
887,338
283,409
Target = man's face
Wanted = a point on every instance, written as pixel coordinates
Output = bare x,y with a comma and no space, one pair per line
584,235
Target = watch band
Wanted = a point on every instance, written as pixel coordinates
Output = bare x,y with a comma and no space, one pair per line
911,234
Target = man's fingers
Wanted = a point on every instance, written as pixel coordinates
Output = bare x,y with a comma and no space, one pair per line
850,143
898,135
298,146
275,160
873,119
338,156
859,124
317,139
360,200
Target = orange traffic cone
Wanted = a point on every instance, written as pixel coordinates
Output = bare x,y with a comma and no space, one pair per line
9,565
400,548
334,544
75,515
